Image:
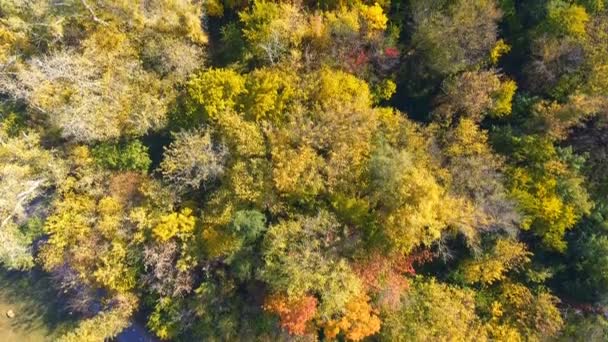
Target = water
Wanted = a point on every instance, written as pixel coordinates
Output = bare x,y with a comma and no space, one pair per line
38,313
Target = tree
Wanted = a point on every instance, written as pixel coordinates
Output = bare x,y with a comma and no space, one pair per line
596,56
505,256
300,257
476,94
546,184
450,37
297,172
165,320
469,94
373,17
179,225
270,94
566,19
353,37
434,311
591,257
359,321
384,277
245,230
65,86
294,313
193,160
271,30
132,156
589,140
103,90
27,174
209,93
338,141
414,208
469,157
15,248
535,316
106,324
26,171
114,271
161,272
582,327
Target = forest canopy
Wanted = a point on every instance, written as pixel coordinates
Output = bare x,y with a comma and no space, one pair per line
218,170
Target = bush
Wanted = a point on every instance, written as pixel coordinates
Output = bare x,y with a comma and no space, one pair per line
131,156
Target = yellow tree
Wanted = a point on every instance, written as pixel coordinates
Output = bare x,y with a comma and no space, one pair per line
505,255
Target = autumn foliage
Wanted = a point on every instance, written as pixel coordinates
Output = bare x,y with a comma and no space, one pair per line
386,277
359,321
294,314
391,170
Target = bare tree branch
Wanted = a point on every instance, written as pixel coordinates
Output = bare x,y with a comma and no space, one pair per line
95,18
21,198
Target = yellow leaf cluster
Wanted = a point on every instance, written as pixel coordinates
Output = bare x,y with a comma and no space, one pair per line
492,267
178,224
373,16
110,211
359,321
503,98
297,171
499,50
113,273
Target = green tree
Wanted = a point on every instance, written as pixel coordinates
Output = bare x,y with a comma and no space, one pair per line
131,156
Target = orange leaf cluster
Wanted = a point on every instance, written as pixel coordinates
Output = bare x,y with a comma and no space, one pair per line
385,276
293,313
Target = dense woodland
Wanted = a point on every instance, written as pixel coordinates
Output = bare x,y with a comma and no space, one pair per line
233,170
